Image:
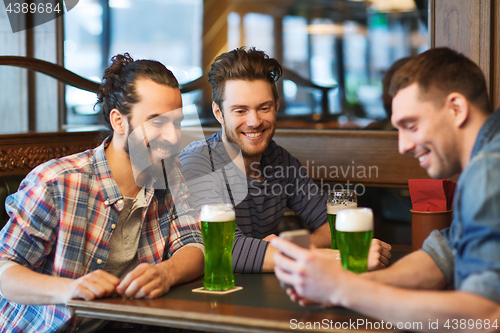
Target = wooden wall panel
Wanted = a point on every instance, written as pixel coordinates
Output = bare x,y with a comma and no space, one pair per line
472,28
329,156
19,153
458,25
360,157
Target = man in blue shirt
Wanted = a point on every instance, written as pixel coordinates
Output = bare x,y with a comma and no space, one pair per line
443,114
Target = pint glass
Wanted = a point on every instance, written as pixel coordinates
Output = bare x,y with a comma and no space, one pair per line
354,237
217,228
337,200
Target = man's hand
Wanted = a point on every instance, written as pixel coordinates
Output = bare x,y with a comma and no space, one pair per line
313,274
269,237
96,284
379,255
145,281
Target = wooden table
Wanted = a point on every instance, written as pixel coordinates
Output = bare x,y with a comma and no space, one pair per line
262,306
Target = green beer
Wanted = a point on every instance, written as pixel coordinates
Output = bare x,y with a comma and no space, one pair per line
354,237
337,200
331,221
217,228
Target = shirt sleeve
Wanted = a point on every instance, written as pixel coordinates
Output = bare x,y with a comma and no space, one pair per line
436,246
29,235
478,236
248,253
306,199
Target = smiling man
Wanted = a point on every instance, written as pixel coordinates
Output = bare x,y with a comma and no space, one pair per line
242,165
113,220
442,112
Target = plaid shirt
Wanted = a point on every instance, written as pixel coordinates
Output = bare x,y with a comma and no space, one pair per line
61,224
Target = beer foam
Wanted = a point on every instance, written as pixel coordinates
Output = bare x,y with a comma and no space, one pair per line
332,208
217,213
356,219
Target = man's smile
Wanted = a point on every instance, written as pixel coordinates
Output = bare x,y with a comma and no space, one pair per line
253,135
423,159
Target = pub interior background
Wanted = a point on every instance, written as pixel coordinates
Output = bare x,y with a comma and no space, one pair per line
335,54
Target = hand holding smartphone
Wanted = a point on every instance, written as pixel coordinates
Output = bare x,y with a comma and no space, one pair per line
299,237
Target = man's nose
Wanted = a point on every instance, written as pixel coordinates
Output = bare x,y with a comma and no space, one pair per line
405,143
170,134
253,119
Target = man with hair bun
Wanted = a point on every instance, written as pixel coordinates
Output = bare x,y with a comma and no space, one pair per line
264,179
113,220
442,111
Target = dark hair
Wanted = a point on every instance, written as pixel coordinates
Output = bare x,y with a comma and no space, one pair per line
240,64
441,71
117,89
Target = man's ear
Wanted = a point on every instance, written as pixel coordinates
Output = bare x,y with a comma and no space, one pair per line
218,113
277,104
459,107
117,121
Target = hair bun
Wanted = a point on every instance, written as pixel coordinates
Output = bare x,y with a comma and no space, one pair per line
118,63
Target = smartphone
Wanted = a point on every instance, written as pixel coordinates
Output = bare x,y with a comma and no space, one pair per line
299,237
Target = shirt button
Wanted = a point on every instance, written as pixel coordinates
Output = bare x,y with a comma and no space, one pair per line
120,201
99,261
106,202
113,226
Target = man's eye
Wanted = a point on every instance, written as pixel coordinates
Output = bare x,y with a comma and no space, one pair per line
239,111
177,125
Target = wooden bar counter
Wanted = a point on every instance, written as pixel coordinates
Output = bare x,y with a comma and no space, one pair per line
261,306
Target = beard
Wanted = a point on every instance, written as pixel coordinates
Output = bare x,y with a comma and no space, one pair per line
145,167
247,151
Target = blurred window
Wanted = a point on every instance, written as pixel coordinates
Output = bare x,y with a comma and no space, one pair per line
345,46
168,31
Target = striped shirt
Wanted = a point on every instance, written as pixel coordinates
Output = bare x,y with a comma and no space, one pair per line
61,222
259,206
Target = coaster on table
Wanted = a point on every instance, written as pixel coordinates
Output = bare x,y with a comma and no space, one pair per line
215,292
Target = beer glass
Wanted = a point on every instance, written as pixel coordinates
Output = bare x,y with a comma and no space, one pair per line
217,228
354,237
337,200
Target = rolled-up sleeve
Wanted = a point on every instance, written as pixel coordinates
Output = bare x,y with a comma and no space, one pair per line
438,249
478,240
470,247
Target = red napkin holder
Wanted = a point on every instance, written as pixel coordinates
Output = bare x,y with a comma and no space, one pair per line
432,203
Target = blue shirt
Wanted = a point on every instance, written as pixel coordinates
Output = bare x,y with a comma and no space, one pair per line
468,253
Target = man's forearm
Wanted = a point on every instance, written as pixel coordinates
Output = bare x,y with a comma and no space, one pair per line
21,285
186,264
416,307
414,271
322,237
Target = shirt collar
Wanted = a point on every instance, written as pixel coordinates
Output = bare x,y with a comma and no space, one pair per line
489,129
104,177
